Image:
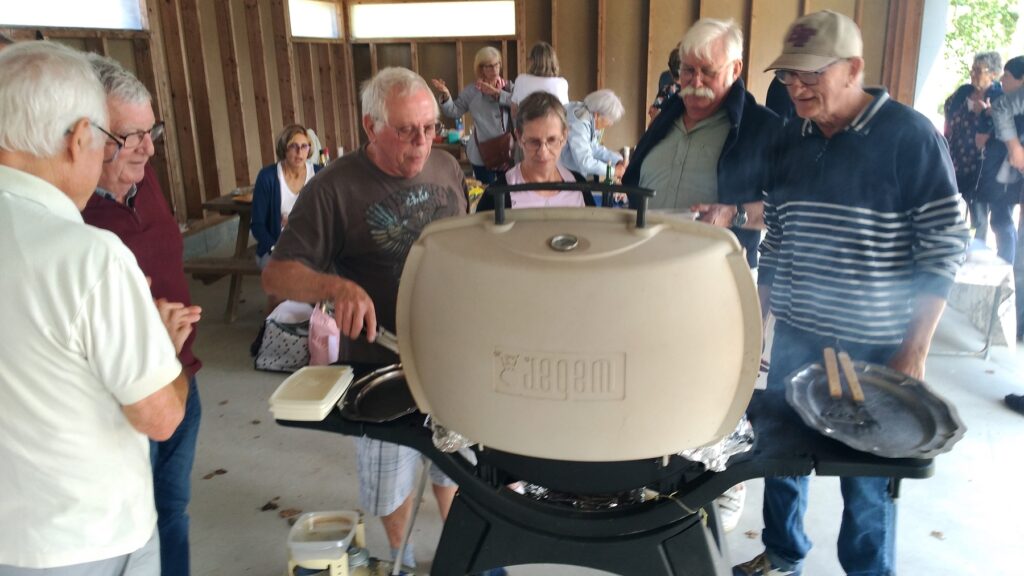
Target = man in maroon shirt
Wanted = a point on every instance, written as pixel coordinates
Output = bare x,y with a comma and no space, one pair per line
129,203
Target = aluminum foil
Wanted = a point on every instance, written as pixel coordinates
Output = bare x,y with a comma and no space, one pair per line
586,502
715,456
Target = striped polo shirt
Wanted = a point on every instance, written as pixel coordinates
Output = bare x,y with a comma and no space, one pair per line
861,223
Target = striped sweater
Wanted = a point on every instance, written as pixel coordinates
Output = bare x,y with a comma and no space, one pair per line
861,223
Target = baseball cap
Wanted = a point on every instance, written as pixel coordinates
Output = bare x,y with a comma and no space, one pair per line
818,39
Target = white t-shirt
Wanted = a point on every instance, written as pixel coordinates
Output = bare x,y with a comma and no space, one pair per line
288,197
527,84
81,339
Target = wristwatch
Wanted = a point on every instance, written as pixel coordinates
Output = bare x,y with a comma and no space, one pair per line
740,219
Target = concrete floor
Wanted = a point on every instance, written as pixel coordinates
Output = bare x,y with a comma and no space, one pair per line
966,520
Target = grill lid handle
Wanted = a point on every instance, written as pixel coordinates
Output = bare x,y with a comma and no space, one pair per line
638,197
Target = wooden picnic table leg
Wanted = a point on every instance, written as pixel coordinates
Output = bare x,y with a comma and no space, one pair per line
241,247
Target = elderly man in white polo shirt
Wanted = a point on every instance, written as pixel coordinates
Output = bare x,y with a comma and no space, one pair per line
87,371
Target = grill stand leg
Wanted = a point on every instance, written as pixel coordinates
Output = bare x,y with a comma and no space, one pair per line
476,539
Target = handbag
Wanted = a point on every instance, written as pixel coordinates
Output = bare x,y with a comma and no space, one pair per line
284,345
498,153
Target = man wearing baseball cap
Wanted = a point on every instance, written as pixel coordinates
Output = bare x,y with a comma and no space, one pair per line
872,240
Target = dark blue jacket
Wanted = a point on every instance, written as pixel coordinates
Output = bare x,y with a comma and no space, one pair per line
266,208
743,166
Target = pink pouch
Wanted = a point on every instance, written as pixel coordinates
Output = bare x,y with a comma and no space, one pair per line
323,336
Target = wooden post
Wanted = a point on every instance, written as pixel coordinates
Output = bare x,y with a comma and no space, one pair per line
260,85
196,55
285,56
902,46
233,91
601,23
329,136
520,39
181,102
307,91
151,64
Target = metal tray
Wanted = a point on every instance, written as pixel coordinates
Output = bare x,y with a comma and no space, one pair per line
913,421
380,396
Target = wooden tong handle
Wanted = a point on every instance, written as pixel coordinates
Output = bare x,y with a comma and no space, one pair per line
851,378
835,386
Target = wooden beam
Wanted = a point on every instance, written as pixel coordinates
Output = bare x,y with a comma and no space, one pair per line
414,54
348,97
29,33
459,83
181,102
151,65
195,52
307,90
233,91
285,59
520,39
554,25
600,67
373,59
98,45
260,86
902,45
329,136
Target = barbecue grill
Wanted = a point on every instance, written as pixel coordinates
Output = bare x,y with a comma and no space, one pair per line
581,350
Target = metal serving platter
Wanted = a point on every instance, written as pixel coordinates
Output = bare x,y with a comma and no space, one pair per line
913,421
378,397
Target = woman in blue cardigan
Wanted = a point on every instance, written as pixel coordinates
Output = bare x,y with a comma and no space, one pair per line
277,188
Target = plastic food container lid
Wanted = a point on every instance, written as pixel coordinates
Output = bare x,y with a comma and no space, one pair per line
310,393
322,535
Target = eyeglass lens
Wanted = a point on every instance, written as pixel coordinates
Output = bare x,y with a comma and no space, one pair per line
135,138
408,133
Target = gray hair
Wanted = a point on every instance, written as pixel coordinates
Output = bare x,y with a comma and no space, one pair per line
705,32
387,83
605,103
992,60
45,88
118,82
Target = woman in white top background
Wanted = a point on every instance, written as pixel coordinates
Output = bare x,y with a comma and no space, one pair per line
543,76
278,186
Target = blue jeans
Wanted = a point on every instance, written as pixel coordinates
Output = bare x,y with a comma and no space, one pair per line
867,536
172,470
1001,219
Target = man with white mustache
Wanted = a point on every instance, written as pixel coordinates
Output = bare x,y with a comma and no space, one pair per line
707,150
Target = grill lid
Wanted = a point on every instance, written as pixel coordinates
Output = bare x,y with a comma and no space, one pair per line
571,334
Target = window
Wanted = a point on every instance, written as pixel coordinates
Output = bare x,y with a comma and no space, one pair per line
434,19
313,19
116,14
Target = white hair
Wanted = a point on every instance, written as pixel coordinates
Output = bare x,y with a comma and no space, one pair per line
118,82
705,32
390,82
45,88
605,103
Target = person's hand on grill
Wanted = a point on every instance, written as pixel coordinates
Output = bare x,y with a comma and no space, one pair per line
354,310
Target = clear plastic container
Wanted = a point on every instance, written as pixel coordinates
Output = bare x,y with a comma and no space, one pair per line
322,536
310,393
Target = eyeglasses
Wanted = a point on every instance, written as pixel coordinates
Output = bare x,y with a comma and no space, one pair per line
296,147
533,145
686,73
116,140
408,133
788,77
133,140
495,66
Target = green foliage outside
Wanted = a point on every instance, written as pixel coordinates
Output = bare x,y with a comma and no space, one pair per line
977,26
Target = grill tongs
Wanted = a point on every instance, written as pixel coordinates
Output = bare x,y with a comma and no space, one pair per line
838,408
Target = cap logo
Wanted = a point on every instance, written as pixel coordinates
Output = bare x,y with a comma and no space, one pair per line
799,36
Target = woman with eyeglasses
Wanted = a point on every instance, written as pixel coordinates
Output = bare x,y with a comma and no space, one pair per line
488,101
999,184
966,116
541,133
278,186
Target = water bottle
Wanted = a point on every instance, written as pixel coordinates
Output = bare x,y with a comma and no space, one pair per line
459,126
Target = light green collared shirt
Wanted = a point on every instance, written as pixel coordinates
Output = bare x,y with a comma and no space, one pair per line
683,167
